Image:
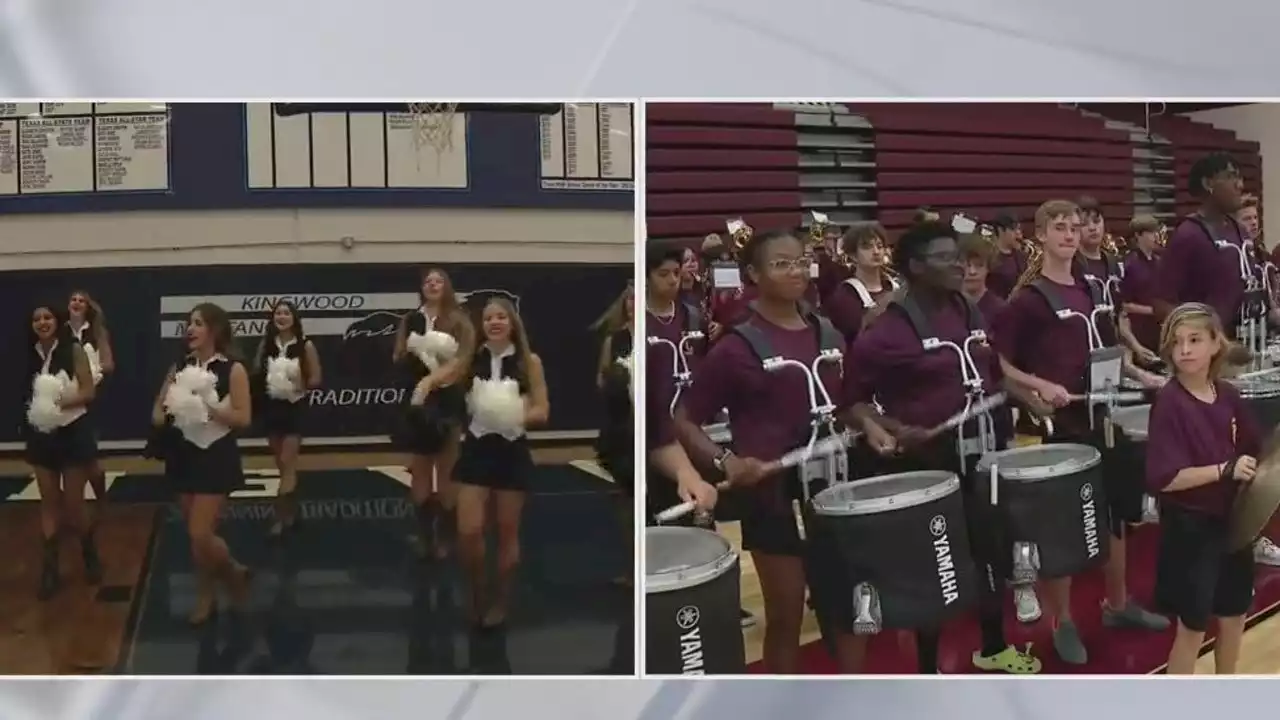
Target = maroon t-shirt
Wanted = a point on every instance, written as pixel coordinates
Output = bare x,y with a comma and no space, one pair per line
1193,269
1028,334
768,411
1005,270
729,307
846,308
1139,287
830,275
915,386
990,304
659,381
1185,432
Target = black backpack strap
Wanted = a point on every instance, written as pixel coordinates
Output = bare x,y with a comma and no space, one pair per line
974,315
829,338
1050,294
755,337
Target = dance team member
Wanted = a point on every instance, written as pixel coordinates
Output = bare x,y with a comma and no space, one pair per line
205,466
1051,356
668,318
431,430
1138,287
615,446
61,446
769,415
848,304
507,394
89,327
1193,268
1010,260
919,389
287,365
1202,448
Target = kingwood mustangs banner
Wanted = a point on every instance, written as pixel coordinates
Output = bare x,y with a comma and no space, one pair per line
351,312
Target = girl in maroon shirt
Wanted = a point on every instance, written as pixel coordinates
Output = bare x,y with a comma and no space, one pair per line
1201,449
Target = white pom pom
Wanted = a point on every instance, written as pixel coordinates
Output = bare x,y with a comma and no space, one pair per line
43,412
628,363
282,375
442,345
497,404
189,396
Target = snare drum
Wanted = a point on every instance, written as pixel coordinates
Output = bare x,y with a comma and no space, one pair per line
1054,507
1126,463
692,601
1262,395
904,539
1134,385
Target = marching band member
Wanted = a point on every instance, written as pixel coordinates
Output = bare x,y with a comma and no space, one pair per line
615,446
690,276
769,415
507,394
1052,356
849,303
1103,269
669,320
433,350
978,252
1248,218
207,401
286,366
1202,447
730,300
60,443
89,327
1011,257
1138,286
1199,263
921,388
825,246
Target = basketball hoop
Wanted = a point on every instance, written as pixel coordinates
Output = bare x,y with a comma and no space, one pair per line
433,126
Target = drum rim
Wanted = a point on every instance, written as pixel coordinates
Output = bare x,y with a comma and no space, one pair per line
1044,472
948,483
688,577
1132,410
1243,386
719,433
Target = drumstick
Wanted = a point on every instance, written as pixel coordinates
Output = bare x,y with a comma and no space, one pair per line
1107,397
796,457
1258,373
986,404
678,511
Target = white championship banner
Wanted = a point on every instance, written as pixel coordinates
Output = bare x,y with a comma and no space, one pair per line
627,699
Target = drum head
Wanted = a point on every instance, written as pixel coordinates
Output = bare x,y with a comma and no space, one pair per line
679,557
1041,462
885,493
1267,386
1256,503
719,433
1133,420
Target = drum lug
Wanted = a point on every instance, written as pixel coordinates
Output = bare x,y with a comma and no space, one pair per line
867,619
1026,562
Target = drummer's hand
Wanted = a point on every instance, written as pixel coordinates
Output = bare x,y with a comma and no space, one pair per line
744,471
699,492
1146,357
910,436
1054,394
1151,381
714,331
881,440
1246,468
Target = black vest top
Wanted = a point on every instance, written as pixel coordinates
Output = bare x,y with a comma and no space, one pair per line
482,368
293,352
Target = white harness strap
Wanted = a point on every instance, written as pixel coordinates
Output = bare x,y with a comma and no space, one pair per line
864,294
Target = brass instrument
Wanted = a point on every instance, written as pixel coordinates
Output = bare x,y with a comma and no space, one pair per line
1162,239
739,233
818,232
1032,249
1110,246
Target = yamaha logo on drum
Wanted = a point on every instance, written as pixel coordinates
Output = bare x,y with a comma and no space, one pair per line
1089,512
946,565
692,661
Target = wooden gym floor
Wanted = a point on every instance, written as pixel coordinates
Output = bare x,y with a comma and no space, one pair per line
88,630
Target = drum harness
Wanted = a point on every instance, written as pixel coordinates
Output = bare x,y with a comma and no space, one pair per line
1252,321
681,376
831,463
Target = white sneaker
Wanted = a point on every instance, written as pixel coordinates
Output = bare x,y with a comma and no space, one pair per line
1026,603
1265,552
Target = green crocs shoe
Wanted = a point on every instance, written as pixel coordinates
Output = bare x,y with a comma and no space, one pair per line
1010,660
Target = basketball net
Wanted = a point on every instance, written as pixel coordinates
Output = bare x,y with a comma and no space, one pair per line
433,127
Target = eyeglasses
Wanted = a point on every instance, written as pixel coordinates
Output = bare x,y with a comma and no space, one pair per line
787,265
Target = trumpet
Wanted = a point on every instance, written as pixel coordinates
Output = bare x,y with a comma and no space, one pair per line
739,233
1162,238
818,232
1110,246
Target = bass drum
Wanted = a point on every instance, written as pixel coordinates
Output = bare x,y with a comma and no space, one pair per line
692,600
1126,463
905,541
1053,506
1263,396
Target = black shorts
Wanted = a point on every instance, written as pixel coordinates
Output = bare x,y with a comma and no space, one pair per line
428,429
68,447
280,418
1196,577
215,470
494,462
